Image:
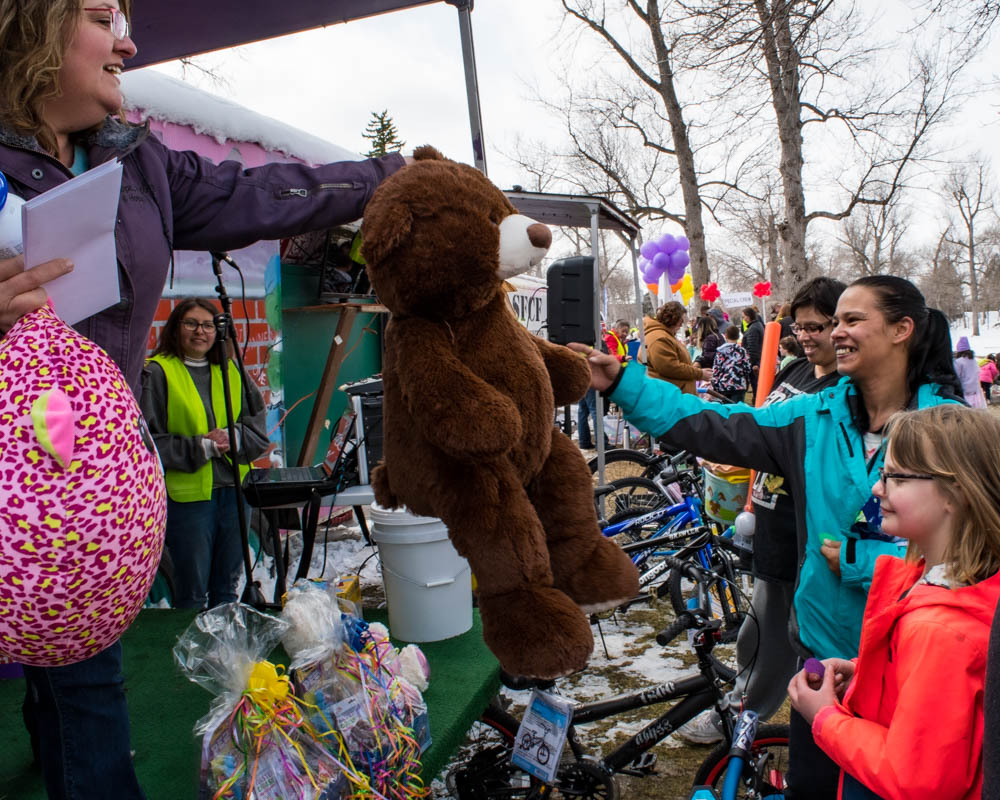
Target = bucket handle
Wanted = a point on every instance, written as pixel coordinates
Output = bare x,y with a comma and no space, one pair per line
424,584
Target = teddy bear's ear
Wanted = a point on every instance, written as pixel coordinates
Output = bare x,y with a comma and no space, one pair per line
392,221
427,153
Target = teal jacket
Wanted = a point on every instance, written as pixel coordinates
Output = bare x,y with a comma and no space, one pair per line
814,442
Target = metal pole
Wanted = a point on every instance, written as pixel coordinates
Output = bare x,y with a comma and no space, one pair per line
471,81
638,296
226,333
595,243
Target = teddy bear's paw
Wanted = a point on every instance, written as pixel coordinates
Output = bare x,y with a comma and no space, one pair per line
602,580
384,496
539,633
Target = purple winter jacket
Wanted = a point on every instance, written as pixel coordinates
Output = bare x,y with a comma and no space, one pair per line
173,200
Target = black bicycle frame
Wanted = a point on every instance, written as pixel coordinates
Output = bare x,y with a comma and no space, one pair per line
697,691
700,692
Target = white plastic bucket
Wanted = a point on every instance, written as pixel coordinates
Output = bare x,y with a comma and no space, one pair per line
428,585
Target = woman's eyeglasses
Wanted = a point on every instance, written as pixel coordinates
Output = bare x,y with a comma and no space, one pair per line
811,328
119,25
193,325
901,476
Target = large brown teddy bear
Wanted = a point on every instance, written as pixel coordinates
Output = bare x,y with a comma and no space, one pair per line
468,414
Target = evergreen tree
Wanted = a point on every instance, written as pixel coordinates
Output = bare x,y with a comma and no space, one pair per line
382,133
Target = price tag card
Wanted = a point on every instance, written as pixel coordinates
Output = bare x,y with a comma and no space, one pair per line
542,735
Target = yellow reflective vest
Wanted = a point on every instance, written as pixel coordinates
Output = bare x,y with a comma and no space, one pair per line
186,416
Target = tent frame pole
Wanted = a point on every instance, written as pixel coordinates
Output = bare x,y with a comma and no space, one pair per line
471,81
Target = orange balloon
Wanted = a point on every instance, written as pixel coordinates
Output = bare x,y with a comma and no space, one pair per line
654,288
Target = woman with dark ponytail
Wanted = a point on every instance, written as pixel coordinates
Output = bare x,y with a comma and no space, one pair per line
894,354
929,358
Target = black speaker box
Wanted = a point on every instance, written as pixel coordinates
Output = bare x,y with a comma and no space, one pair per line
571,303
371,425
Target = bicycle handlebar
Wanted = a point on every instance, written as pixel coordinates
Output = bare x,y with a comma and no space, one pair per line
676,628
688,569
687,619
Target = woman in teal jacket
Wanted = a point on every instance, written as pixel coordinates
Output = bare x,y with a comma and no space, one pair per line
895,353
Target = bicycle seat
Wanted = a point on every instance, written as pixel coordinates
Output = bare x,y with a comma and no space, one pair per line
522,682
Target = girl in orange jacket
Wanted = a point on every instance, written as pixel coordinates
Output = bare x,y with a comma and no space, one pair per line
905,719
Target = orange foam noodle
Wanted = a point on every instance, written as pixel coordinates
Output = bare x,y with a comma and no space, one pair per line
765,378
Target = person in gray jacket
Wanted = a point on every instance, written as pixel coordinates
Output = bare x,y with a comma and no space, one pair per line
59,94
184,406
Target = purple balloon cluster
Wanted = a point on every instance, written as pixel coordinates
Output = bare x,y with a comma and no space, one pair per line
667,254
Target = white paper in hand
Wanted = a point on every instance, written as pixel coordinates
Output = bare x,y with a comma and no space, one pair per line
76,220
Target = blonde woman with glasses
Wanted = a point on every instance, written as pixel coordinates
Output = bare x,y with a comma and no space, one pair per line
905,720
60,104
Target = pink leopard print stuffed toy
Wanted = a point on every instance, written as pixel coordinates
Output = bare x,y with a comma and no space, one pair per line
82,498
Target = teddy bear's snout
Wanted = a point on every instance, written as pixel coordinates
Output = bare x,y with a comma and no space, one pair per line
540,235
523,244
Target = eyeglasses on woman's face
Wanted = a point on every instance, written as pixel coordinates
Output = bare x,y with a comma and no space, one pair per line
193,325
117,21
811,328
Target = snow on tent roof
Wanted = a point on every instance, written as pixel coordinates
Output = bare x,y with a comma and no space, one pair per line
162,97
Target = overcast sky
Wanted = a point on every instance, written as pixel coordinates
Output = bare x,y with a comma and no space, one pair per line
329,81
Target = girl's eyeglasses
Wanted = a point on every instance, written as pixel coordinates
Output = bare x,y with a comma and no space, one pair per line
120,27
901,476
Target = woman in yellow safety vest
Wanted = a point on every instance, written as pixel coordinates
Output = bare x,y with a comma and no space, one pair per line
184,403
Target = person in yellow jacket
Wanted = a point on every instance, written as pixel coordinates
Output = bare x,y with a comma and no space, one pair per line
184,404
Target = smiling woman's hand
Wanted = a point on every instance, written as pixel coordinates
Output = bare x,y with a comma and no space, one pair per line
603,367
21,290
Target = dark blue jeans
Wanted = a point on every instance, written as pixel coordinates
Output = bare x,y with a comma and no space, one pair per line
207,550
78,722
811,773
587,408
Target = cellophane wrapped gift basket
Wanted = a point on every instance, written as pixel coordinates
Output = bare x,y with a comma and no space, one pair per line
347,719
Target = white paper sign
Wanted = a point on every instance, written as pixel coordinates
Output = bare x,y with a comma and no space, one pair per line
737,300
542,735
531,309
76,220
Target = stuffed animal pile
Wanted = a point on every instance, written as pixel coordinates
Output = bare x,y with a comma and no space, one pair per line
468,413
82,499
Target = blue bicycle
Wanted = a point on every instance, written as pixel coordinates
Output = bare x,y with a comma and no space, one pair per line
753,766
642,514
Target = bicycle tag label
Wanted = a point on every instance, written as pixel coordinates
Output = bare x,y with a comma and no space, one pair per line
542,735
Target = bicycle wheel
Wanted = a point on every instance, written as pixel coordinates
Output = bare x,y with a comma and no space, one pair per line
765,768
624,463
483,769
630,497
729,594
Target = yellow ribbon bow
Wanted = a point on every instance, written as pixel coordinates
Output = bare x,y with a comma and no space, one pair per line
266,685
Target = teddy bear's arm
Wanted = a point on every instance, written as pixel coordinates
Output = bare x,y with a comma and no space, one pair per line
568,372
462,414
